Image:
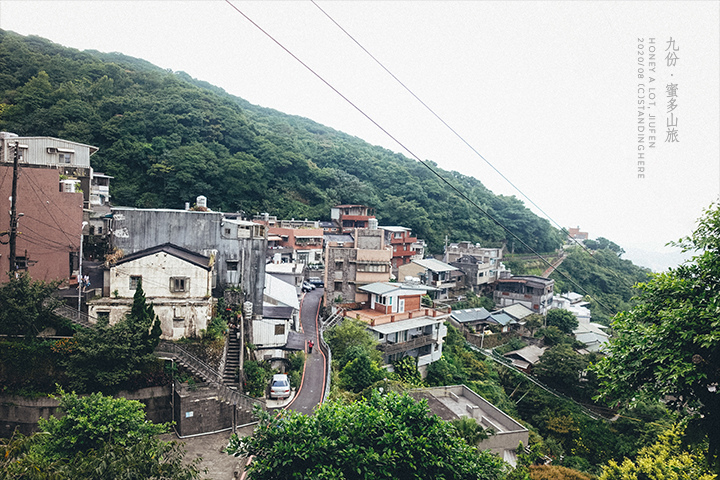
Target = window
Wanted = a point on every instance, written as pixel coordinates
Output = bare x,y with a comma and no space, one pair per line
398,235
232,266
135,280
178,322
64,157
103,316
227,232
280,329
179,284
369,267
338,287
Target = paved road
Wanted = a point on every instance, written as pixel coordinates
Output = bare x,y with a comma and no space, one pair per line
312,388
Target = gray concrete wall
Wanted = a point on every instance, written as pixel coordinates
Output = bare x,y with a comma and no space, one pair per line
137,229
198,410
23,413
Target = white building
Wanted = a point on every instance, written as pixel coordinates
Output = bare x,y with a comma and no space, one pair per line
176,281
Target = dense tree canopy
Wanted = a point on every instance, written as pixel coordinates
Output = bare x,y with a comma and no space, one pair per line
105,356
669,343
97,437
562,319
167,138
384,437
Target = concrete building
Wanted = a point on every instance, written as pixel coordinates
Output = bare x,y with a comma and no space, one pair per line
397,319
402,243
482,266
281,314
534,292
175,280
457,401
432,273
238,246
292,273
53,187
299,241
347,218
350,265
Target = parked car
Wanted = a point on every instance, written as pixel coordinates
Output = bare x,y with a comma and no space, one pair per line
280,386
307,286
317,281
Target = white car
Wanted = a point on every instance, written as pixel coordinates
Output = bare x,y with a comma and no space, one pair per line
280,386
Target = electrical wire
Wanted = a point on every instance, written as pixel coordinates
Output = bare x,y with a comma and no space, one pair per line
410,152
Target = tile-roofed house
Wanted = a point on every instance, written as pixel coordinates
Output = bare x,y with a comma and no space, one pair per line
526,357
177,281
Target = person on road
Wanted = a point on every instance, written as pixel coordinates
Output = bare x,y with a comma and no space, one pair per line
310,346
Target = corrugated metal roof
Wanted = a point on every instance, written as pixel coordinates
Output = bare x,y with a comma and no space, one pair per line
435,265
401,325
470,315
517,311
502,318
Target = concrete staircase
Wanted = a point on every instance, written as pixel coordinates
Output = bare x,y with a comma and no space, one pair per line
232,358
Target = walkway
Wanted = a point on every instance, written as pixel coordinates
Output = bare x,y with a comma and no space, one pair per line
312,388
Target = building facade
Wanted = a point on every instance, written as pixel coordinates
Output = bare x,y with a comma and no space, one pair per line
53,185
404,327
534,292
237,246
350,265
175,280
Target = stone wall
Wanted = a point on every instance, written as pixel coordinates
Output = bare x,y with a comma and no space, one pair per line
23,413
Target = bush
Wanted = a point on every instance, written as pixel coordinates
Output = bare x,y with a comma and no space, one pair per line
257,376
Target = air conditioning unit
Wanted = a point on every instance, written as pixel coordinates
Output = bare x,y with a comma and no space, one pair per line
52,150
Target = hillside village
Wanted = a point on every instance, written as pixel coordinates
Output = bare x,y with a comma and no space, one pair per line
381,295
188,258
261,267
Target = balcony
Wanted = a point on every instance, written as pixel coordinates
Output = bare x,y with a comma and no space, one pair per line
374,317
417,342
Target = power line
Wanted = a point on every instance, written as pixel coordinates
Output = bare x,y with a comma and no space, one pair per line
410,152
436,115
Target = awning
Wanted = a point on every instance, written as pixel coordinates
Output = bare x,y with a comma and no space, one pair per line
400,325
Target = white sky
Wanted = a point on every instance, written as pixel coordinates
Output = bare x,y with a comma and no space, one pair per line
546,91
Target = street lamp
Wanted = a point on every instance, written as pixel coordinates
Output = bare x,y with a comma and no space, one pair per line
80,275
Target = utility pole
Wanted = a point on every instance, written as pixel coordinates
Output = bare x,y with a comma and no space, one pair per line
13,210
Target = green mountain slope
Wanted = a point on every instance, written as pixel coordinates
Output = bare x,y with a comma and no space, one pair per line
167,138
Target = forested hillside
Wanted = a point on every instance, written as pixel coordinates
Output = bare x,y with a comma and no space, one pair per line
167,138
606,278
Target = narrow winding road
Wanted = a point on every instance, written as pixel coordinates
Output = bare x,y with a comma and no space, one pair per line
314,377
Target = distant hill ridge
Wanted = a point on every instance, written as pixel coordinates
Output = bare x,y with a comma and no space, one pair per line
167,138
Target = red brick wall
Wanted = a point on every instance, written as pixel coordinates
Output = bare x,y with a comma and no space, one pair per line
412,303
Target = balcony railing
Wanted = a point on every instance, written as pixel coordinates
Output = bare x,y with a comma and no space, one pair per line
374,318
417,342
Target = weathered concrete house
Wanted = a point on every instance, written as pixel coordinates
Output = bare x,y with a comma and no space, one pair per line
175,280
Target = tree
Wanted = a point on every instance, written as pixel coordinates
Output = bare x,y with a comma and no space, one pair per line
562,319
469,429
98,437
360,372
351,333
26,306
89,422
669,343
560,367
107,355
383,437
665,460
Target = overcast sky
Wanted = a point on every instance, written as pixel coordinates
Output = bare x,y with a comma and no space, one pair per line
547,92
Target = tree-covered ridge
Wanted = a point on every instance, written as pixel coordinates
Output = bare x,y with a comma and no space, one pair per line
604,276
167,138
